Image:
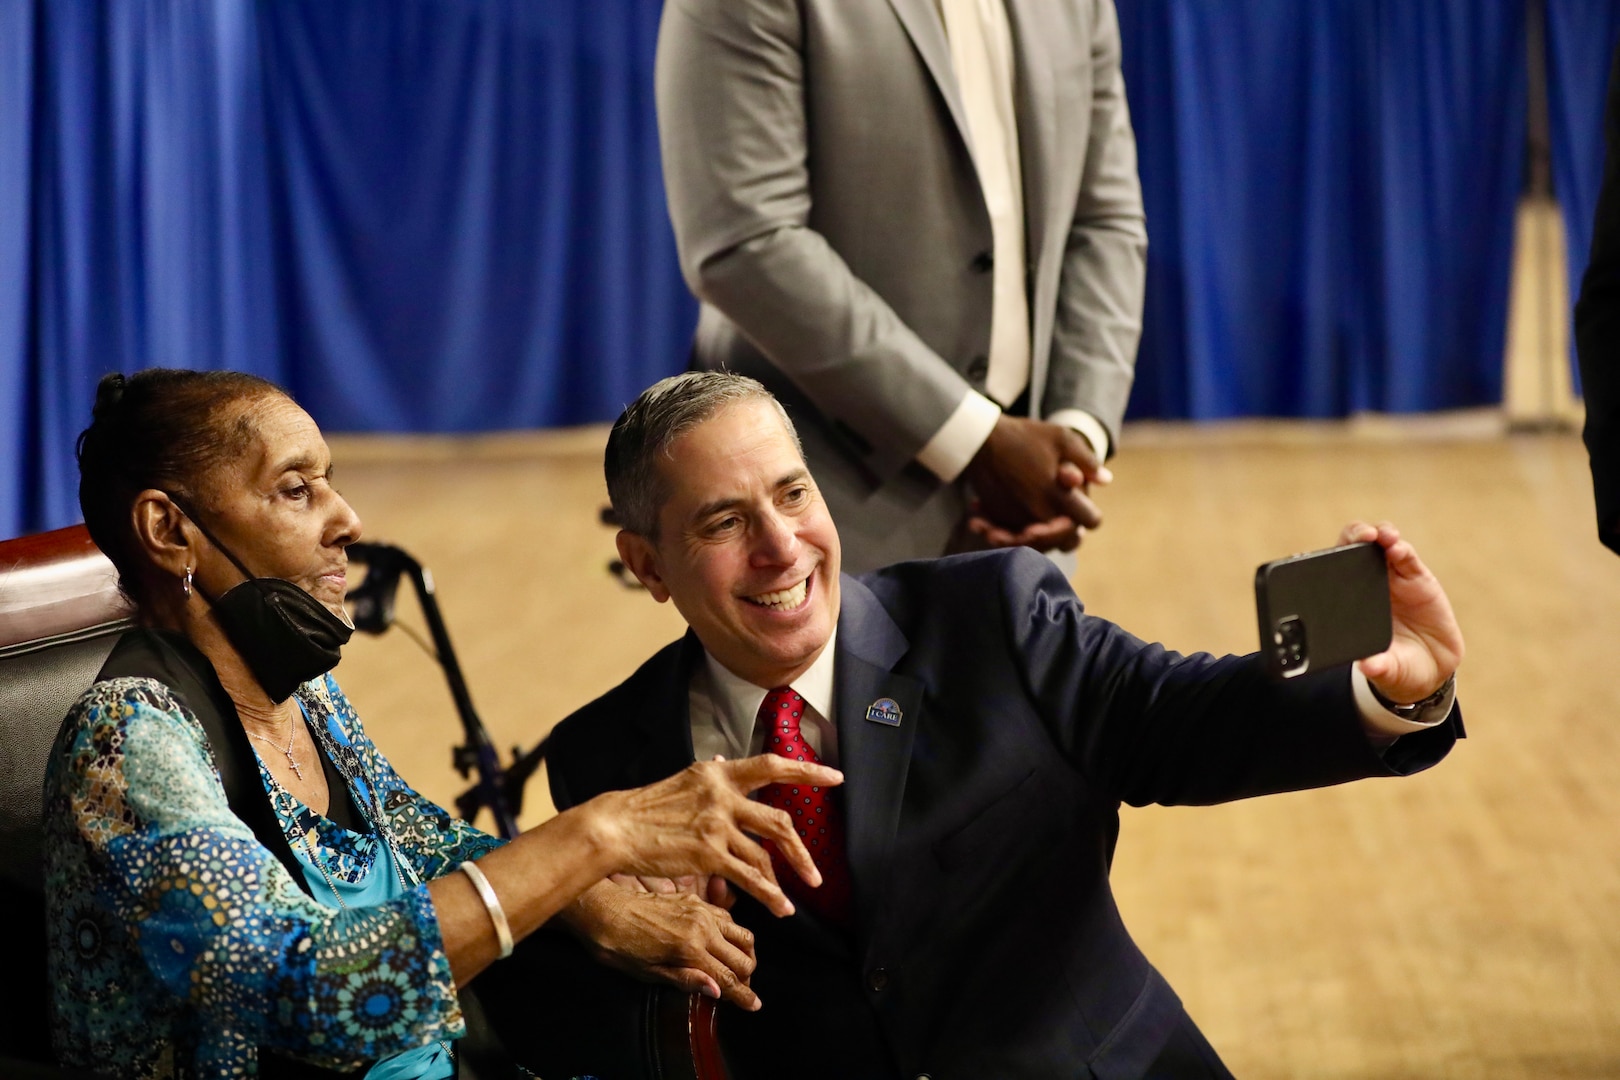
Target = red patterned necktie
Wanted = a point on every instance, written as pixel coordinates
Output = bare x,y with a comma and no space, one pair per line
817,814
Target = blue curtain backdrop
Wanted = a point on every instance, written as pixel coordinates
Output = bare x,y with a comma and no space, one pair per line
418,215
1330,191
18,444
447,215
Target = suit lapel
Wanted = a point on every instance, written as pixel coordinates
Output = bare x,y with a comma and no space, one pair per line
875,756
1039,147
927,32
1035,103
664,724
658,731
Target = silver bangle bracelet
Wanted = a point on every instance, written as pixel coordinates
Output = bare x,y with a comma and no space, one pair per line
492,904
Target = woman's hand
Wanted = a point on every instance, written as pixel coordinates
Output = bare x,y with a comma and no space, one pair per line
705,887
701,821
698,822
667,936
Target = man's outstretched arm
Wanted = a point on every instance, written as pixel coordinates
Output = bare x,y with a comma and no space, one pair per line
1150,725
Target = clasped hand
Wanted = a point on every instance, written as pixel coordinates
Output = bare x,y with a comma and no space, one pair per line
1031,481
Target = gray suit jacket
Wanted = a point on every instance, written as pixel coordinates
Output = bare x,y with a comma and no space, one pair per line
827,212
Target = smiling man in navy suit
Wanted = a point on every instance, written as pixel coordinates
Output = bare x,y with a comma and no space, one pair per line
988,730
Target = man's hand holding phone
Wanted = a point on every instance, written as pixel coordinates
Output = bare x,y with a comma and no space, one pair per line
1426,644
1369,600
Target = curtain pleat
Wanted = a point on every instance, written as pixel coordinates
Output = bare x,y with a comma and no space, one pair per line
448,216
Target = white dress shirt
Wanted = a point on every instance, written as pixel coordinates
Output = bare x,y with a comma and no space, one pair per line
982,59
724,708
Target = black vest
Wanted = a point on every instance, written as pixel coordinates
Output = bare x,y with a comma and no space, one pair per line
172,660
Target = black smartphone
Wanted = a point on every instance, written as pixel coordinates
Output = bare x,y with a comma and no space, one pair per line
1323,608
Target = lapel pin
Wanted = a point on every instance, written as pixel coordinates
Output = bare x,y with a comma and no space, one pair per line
884,711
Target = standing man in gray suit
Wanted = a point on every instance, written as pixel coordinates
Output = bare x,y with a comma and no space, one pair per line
919,223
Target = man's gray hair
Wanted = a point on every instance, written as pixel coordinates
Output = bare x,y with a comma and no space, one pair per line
664,412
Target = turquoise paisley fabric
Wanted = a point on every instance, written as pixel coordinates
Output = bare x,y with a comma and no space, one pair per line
178,944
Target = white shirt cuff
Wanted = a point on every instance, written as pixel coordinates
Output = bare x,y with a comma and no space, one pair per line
1087,425
959,438
1379,721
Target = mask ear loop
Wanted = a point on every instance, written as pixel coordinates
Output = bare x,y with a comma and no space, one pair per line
181,505
342,614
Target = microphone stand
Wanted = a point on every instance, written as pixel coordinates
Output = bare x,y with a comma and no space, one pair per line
372,608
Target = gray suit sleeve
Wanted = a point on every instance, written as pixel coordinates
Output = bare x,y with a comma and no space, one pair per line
732,128
1099,305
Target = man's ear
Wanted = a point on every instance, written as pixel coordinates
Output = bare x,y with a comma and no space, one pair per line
639,554
163,532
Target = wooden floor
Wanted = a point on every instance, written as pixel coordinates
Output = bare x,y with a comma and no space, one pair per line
1465,923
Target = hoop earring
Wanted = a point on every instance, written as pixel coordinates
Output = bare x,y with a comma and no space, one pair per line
185,584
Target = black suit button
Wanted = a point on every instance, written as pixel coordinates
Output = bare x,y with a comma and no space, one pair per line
978,368
983,262
877,980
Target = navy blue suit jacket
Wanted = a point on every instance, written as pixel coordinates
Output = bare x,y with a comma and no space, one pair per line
981,828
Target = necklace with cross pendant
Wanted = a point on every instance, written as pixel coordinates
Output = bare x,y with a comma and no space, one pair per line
292,736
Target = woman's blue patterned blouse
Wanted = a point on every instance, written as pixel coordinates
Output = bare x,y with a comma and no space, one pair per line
179,944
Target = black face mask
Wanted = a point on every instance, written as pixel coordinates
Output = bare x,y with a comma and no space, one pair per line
285,635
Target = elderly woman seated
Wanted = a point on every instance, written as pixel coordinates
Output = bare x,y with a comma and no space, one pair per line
306,912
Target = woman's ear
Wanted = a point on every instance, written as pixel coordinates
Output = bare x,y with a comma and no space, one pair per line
163,532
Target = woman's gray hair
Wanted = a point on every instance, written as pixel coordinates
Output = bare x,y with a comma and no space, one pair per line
664,412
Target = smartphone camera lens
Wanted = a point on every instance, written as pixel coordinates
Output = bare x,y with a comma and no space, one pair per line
1289,642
